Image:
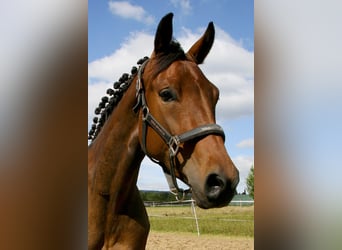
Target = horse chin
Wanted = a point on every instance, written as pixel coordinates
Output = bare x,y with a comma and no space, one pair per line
203,202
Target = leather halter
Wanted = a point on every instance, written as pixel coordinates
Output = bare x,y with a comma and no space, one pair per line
173,141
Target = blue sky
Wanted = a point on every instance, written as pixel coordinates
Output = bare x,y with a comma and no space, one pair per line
121,32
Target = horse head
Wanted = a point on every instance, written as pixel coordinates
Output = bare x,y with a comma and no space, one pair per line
179,101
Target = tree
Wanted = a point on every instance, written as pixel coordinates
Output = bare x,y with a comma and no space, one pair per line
250,182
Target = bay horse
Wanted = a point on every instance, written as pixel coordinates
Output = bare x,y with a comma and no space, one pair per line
168,115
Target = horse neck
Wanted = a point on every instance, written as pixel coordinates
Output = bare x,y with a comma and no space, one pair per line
116,150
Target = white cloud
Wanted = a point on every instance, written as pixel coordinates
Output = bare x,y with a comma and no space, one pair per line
127,10
102,73
111,67
229,66
243,164
184,5
248,143
151,177
95,92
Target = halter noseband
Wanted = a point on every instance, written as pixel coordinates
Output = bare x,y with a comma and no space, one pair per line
173,141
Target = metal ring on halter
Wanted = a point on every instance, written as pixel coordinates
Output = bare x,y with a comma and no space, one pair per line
177,193
145,111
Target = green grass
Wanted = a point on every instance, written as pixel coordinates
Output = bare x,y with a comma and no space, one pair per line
230,220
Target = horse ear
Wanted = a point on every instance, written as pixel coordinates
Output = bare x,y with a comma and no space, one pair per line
201,48
164,34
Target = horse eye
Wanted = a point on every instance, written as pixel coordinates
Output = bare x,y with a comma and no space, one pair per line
167,95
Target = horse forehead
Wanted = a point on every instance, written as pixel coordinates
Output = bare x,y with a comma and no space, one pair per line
187,70
184,67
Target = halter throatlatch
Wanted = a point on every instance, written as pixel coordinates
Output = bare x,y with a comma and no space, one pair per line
172,141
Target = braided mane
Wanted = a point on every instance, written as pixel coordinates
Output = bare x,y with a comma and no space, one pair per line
109,102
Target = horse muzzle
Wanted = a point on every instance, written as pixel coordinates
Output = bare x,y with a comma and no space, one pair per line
218,191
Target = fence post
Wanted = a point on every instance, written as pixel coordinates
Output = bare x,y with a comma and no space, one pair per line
194,211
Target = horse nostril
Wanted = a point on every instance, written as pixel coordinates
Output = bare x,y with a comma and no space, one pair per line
214,186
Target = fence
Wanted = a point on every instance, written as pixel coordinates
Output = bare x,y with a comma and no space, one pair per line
191,202
241,203
171,211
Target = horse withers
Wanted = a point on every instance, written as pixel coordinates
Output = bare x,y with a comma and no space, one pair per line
168,114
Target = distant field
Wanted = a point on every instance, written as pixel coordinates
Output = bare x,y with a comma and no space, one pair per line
232,221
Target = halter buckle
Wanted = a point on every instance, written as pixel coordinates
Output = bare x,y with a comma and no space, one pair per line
174,145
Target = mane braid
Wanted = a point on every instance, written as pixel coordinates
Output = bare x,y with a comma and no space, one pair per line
109,102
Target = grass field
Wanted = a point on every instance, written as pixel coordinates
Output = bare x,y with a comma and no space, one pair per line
232,221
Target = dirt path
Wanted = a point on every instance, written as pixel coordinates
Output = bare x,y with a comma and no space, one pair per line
180,241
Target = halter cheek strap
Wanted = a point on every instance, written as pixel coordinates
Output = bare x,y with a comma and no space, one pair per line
172,141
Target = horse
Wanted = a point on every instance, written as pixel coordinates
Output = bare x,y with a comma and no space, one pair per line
169,116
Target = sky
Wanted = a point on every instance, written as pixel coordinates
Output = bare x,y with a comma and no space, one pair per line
121,32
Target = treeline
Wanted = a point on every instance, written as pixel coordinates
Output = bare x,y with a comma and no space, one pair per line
159,196
166,196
